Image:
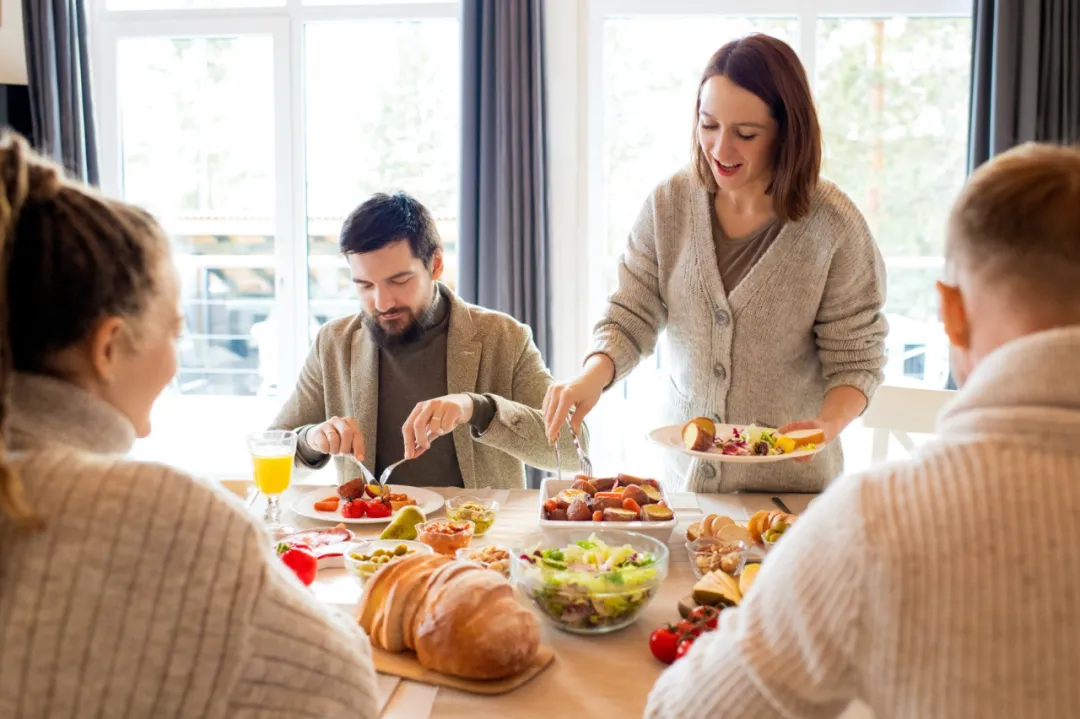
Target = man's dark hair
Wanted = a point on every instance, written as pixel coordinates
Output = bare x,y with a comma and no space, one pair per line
384,219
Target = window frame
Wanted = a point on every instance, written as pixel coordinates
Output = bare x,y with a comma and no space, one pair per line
285,26
577,153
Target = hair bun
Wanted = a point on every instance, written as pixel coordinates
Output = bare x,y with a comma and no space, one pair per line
24,177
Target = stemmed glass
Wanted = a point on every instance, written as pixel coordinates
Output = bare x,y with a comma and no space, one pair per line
272,453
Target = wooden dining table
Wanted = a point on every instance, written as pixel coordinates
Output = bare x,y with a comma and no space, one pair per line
608,675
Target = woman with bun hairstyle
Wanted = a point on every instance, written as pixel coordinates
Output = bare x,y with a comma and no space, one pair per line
128,588
764,275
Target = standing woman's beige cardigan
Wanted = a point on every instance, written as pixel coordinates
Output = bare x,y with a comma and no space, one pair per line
805,319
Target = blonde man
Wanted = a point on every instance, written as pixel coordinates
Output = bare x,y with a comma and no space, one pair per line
946,585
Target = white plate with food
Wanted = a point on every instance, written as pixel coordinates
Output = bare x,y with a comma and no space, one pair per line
597,504
401,496
750,444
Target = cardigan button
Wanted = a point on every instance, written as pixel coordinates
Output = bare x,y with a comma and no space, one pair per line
720,372
723,318
708,471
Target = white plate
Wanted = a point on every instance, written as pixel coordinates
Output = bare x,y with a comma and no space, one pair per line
429,502
671,438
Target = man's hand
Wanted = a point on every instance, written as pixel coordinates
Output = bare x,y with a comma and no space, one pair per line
337,436
432,419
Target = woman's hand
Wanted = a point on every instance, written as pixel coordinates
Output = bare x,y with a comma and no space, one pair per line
831,430
580,394
432,419
841,406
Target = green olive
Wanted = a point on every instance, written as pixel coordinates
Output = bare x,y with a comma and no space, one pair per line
401,550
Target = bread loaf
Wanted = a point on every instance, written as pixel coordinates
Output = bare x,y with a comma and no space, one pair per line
477,629
460,619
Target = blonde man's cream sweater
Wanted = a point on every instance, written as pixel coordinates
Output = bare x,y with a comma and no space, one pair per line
943,586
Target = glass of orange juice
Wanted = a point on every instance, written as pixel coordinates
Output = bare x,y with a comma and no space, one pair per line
272,454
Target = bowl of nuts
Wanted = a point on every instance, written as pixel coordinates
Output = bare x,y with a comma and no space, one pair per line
491,557
708,554
363,559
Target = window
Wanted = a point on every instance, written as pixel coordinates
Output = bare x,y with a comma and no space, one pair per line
251,134
188,4
197,117
393,129
892,93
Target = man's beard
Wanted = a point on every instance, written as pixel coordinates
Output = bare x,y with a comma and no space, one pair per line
415,326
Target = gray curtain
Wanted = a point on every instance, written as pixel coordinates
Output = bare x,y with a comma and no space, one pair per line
1025,75
58,69
503,251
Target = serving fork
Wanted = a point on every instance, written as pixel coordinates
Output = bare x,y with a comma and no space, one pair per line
586,463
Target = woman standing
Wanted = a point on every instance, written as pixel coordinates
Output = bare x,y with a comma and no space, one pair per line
764,275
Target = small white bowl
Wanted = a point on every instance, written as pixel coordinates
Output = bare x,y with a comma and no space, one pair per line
362,571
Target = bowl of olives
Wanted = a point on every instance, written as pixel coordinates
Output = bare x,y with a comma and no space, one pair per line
363,559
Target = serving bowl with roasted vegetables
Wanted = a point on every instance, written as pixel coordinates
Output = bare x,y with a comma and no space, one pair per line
623,502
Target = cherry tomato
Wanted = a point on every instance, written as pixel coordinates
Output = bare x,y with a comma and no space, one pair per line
379,510
707,617
686,628
299,558
663,643
683,648
356,509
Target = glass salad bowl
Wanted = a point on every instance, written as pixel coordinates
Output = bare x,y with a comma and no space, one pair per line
590,582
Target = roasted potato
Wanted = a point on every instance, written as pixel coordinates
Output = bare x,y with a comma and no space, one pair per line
638,494
604,484
619,515
656,513
652,493
578,511
699,434
585,486
566,497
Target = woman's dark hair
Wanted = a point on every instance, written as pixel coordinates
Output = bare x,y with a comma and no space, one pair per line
385,219
69,257
770,69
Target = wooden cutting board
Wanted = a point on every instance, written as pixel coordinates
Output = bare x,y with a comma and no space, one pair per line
406,666
687,605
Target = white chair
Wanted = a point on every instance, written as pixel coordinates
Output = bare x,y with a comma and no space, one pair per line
901,412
